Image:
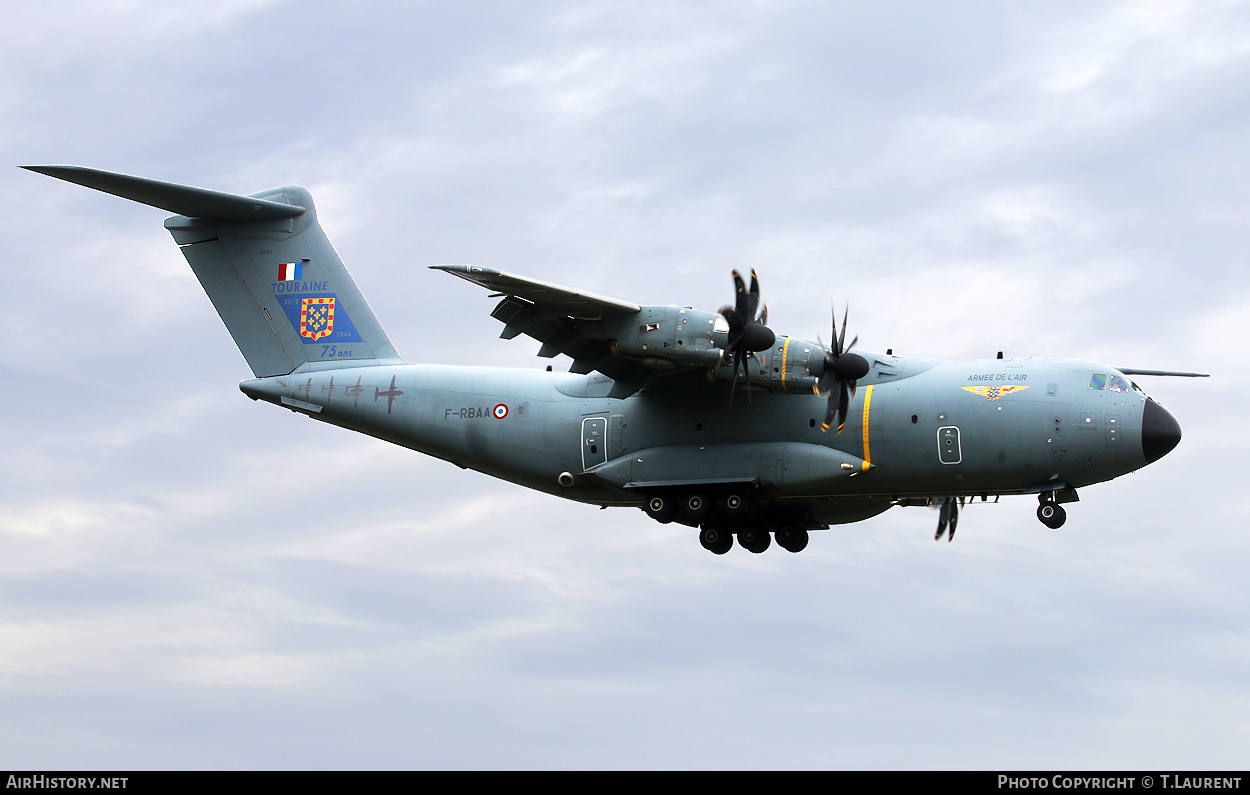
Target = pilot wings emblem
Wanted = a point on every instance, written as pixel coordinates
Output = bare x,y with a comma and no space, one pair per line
993,392
316,318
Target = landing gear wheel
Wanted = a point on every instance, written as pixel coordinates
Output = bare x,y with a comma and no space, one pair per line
1052,515
792,539
754,539
716,540
661,508
735,506
696,506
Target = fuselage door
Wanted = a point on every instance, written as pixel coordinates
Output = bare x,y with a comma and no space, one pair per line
948,445
594,442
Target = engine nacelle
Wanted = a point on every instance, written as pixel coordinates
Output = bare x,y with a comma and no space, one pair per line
790,365
669,334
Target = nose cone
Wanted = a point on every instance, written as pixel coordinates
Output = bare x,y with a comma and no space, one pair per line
1160,432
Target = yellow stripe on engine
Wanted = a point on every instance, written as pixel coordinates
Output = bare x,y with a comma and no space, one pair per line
867,408
785,349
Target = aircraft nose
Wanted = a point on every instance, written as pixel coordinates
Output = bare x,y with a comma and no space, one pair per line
1160,431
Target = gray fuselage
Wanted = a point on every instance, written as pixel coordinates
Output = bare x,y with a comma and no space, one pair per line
916,429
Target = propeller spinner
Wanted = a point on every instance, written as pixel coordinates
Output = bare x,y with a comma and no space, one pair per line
842,369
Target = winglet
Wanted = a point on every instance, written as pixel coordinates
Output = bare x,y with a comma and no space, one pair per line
180,199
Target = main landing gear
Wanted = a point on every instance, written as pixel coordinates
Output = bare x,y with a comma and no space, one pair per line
719,540
791,539
716,540
721,516
694,508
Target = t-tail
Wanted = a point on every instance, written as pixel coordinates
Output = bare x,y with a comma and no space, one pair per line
268,268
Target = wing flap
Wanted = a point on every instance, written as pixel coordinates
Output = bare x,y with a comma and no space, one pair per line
577,324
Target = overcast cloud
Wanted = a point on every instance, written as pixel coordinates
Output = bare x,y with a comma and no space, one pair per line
191,579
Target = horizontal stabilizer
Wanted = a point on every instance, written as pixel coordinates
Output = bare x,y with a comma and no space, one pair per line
180,199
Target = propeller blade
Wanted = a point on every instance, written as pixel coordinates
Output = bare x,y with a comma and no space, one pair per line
740,299
948,517
747,334
840,373
943,520
842,338
831,411
836,348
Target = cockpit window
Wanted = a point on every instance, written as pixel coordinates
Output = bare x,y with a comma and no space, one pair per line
1098,381
1118,384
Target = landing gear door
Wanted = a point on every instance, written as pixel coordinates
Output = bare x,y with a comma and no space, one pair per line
594,442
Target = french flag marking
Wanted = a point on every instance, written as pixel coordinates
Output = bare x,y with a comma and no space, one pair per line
290,271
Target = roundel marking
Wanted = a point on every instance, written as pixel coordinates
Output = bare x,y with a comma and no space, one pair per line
501,411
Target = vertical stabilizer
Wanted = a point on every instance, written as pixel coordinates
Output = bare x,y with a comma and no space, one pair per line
268,268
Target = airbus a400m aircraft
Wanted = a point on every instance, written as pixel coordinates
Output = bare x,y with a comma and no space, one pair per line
707,419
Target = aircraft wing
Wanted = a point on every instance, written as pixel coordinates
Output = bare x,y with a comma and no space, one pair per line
1134,371
564,320
573,303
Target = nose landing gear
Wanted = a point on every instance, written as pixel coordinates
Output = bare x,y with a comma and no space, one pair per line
1049,511
1052,515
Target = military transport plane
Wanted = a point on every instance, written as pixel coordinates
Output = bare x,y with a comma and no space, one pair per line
707,419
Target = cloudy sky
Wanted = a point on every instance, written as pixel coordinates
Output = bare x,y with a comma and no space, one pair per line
191,579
